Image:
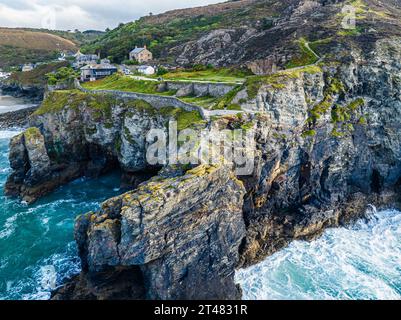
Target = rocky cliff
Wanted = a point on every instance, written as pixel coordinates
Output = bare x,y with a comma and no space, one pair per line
328,144
85,134
181,233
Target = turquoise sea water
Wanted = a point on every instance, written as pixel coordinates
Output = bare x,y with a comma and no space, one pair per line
37,247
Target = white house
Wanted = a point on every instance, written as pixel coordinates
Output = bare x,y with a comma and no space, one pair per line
27,67
146,70
4,75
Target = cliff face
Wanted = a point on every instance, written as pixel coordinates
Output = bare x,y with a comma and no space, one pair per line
328,144
182,232
85,134
32,92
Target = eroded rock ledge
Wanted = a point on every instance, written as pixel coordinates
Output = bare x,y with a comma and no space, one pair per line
74,134
182,235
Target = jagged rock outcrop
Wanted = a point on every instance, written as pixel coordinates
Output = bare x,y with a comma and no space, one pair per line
330,145
214,47
85,134
34,175
183,233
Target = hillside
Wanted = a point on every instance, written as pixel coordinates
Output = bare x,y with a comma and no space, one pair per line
256,33
165,31
36,77
30,84
19,46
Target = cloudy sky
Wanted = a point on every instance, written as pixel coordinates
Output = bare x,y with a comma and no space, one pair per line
83,14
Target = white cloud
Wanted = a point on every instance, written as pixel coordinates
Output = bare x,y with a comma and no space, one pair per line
83,15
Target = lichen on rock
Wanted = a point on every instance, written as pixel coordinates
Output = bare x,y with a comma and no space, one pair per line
184,233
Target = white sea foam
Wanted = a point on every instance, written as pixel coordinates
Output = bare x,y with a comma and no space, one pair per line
49,274
362,262
8,134
8,227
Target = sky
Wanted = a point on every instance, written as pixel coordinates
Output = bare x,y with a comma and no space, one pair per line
84,14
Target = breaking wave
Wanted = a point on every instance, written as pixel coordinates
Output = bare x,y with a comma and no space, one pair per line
356,263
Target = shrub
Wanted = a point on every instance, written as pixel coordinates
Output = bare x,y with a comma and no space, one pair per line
62,75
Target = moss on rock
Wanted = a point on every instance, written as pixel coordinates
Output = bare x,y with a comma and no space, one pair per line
32,133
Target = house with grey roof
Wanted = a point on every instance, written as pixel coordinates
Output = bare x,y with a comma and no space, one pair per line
93,72
84,59
141,55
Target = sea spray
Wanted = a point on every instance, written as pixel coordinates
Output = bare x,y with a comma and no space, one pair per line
358,262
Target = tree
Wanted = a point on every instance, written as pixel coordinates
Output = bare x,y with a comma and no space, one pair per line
62,75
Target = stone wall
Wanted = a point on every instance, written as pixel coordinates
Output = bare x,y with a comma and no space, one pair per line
199,88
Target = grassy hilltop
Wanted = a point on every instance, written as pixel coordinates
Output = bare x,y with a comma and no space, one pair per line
23,45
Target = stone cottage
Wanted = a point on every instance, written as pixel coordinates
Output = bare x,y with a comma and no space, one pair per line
141,55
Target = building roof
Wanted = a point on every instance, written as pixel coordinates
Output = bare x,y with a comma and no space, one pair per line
99,66
137,50
144,67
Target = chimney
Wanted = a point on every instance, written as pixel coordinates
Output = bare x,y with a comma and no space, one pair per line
144,46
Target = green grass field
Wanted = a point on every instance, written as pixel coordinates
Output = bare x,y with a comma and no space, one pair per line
205,102
211,75
129,84
124,83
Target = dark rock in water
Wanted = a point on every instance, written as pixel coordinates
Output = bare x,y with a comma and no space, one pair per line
33,93
183,233
33,173
16,119
114,284
19,163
